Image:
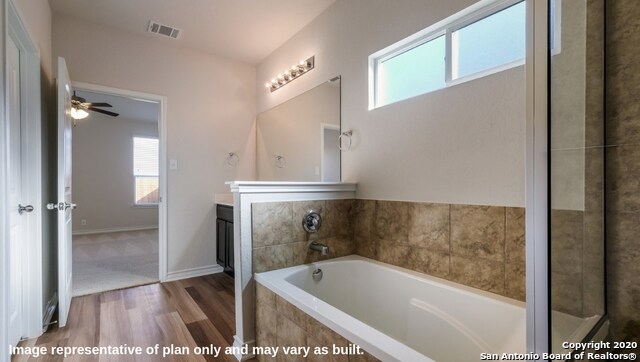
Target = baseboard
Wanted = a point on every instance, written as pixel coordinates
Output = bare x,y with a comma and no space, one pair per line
114,230
48,312
195,272
239,345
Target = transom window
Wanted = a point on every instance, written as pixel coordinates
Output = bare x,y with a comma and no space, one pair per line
146,171
484,39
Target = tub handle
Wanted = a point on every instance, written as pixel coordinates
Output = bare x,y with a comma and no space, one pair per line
311,221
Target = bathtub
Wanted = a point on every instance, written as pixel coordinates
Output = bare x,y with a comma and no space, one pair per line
400,315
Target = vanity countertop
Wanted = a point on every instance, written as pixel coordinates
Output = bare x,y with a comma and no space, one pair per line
224,199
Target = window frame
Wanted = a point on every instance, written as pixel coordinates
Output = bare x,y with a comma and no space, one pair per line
135,177
446,27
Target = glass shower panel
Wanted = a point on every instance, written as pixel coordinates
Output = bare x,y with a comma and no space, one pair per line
577,169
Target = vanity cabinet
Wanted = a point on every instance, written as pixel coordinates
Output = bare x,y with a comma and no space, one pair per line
224,242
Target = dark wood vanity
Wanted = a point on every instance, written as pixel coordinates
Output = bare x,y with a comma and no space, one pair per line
224,237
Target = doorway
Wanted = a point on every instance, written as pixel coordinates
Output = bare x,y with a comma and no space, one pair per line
330,152
118,226
20,187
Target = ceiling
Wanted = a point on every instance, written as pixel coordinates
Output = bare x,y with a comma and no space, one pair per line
128,108
244,30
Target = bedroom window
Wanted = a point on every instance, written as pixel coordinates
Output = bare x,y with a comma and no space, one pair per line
483,39
146,171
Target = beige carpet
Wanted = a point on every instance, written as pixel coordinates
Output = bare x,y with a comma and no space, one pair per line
114,260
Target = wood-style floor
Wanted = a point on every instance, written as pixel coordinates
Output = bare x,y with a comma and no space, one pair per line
191,312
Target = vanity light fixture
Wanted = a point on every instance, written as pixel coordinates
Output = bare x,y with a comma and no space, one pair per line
303,67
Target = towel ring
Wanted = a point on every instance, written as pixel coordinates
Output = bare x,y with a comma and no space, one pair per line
281,162
233,159
348,135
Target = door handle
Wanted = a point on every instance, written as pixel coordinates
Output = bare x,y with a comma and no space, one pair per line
23,209
61,206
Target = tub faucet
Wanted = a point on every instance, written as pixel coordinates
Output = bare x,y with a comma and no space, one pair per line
316,246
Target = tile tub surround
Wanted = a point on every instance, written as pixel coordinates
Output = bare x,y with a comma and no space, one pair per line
479,246
279,323
279,240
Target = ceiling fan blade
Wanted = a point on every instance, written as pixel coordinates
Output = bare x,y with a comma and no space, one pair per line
99,104
108,113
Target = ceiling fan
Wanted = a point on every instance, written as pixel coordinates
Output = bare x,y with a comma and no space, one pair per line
81,106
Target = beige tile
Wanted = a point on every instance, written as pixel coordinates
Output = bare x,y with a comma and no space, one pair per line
429,226
623,127
593,264
515,281
566,294
429,262
339,216
340,246
367,248
393,253
266,325
289,334
301,254
391,221
363,218
271,223
272,257
363,226
515,260
478,231
289,311
300,208
320,335
623,178
479,273
567,234
623,268
515,234
594,172
264,296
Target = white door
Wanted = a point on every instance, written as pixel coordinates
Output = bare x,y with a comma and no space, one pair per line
16,225
64,205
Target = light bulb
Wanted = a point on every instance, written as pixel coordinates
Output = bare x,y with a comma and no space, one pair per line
267,85
78,113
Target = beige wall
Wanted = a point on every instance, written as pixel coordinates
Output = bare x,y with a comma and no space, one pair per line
464,144
210,112
36,15
292,130
103,183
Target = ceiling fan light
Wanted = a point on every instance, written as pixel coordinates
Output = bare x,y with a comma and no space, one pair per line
78,113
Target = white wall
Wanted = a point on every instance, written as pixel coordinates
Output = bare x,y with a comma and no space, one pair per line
103,183
210,112
568,110
463,144
292,130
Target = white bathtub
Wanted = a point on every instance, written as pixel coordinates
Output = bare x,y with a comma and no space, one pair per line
400,315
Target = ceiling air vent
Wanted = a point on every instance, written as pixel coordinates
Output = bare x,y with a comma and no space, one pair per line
158,28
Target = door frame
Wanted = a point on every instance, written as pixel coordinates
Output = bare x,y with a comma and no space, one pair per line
31,253
162,138
323,126
537,178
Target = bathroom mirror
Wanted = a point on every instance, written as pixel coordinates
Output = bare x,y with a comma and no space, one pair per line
298,139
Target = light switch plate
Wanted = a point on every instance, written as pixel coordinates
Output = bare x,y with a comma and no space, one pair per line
173,164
